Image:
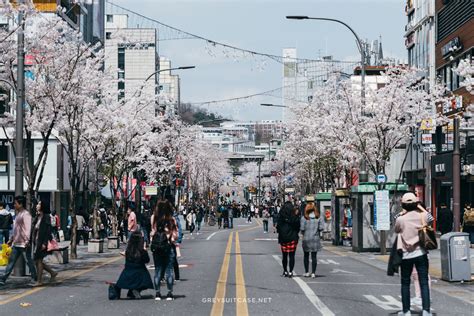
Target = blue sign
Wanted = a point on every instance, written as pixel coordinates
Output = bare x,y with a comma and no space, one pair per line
381,178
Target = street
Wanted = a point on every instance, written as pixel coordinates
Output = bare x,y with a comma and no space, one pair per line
237,272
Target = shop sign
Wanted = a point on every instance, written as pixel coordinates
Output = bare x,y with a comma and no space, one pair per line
151,190
382,210
441,167
429,148
426,139
453,46
452,105
428,125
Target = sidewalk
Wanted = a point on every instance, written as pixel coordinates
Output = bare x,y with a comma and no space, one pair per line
17,287
461,290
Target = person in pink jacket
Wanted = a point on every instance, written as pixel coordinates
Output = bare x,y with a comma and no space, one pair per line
411,219
20,241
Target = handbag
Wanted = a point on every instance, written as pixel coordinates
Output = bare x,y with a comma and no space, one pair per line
52,245
427,235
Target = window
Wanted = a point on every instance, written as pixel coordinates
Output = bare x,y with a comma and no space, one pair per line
121,58
110,18
3,158
448,78
108,35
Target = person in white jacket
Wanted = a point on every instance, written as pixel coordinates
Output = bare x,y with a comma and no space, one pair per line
191,219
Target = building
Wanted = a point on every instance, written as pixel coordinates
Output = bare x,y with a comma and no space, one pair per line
258,131
420,40
169,87
227,143
454,41
131,55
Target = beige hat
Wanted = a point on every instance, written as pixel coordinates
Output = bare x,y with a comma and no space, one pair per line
409,198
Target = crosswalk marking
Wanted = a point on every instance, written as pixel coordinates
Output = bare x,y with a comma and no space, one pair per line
328,261
388,303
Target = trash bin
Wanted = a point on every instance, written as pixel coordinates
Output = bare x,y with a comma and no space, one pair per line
455,257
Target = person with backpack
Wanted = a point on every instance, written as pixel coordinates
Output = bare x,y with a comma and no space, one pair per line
407,225
135,276
311,226
6,223
468,222
164,234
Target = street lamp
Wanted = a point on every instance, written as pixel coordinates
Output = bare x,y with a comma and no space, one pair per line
169,69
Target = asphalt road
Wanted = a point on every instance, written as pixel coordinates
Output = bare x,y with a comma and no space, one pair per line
237,272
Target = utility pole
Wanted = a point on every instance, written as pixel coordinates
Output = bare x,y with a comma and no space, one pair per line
19,269
259,177
456,178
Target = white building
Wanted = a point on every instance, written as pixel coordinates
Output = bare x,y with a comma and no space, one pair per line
169,87
131,54
228,143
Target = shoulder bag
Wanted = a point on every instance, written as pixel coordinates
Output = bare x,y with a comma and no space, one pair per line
427,235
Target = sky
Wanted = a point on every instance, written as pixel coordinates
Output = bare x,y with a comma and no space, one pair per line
260,25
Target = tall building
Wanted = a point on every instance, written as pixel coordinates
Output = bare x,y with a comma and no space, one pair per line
454,41
131,55
420,40
169,92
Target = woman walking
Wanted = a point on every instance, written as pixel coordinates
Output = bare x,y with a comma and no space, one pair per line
311,226
288,229
135,276
407,225
164,234
191,218
40,236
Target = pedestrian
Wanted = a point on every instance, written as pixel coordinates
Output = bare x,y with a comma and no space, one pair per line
40,237
199,218
81,229
20,240
468,222
191,219
407,225
445,219
104,223
145,225
55,225
164,234
135,276
275,218
219,212
131,222
311,226
231,214
176,247
288,229
266,217
6,223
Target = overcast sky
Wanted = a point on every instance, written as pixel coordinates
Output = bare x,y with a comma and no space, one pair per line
260,25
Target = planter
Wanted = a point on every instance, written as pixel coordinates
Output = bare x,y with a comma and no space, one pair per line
95,246
113,242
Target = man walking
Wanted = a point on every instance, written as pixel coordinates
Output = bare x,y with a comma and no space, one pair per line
231,216
20,240
445,219
6,222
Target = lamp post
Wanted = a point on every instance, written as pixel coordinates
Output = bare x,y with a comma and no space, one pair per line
273,105
363,177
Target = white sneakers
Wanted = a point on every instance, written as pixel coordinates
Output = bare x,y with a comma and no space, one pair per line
313,275
306,275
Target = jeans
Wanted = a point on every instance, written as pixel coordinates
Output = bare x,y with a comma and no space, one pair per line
198,226
231,222
314,262
4,236
166,264
422,265
265,226
16,253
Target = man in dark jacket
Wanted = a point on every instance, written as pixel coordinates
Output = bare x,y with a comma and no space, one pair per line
6,222
445,219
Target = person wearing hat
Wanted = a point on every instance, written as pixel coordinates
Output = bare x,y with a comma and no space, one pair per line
411,219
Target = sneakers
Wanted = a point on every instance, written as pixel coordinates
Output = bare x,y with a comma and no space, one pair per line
426,313
290,275
285,274
313,275
169,296
401,313
306,275
158,296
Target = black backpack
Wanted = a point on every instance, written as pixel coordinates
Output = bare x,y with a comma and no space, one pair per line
160,243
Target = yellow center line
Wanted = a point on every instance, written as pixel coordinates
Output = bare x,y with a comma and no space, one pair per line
69,276
241,301
219,297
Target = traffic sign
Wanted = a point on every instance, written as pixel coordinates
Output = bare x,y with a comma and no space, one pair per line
381,178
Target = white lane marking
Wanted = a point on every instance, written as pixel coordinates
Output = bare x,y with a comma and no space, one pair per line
333,262
212,235
327,261
266,239
388,303
352,283
343,271
312,297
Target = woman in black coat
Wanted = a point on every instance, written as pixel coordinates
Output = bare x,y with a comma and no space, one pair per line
135,276
288,228
40,236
